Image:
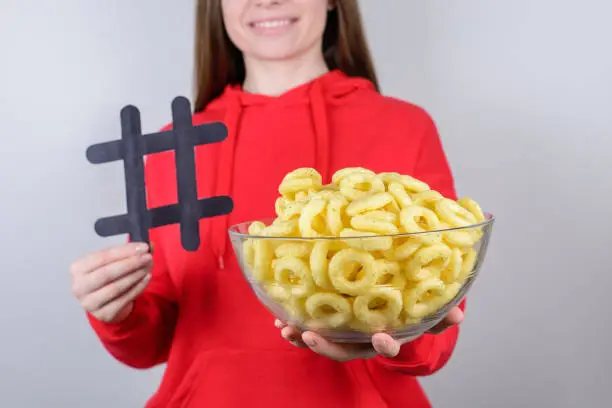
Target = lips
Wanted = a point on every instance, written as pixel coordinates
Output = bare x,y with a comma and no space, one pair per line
272,24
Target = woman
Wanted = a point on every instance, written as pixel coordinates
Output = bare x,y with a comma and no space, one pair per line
294,83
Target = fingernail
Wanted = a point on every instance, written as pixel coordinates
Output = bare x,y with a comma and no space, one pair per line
147,278
145,257
140,248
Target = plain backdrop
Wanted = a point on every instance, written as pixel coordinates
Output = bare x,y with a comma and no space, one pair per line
520,90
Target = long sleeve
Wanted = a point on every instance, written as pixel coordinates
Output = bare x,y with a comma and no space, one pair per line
429,353
426,355
143,339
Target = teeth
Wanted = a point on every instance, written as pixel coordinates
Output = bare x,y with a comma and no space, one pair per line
272,24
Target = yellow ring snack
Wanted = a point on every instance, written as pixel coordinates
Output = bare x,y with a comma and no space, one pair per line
248,253
292,210
416,219
389,273
400,194
330,187
294,274
347,278
413,185
308,219
369,203
278,293
448,294
469,261
420,301
262,260
379,307
411,216
340,174
454,214
300,180
255,228
452,271
296,307
341,260
428,262
279,206
427,199
403,249
330,309
473,207
383,216
358,185
390,177
301,195
366,241
280,228
393,207
293,250
450,291
319,263
462,239
335,206
370,223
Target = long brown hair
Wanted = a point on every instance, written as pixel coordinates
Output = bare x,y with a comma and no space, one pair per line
219,63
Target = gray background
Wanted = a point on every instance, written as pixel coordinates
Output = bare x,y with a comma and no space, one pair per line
521,94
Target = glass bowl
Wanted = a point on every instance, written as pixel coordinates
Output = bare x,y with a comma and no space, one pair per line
348,288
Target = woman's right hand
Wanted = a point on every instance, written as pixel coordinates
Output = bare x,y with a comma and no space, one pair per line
107,282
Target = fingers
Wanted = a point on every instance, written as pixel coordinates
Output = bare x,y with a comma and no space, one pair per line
100,298
293,336
109,273
382,343
107,281
337,351
385,345
454,317
289,333
110,311
95,260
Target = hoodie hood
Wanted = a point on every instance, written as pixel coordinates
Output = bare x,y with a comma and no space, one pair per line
318,96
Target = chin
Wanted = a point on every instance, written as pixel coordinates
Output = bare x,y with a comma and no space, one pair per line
275,53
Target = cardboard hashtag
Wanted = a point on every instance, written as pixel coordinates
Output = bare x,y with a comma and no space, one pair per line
131,149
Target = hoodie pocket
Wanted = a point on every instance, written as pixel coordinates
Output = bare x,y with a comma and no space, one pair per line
264,378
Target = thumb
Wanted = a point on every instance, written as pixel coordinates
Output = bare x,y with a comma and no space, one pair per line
385,345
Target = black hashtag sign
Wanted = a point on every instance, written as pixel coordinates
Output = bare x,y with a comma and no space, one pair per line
132,148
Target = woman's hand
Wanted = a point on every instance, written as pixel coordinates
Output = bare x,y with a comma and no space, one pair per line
107,282
382,344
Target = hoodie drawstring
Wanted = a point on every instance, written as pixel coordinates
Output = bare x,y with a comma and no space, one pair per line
321,129
225,163
225,172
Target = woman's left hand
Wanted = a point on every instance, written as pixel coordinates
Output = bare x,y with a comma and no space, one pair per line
382,344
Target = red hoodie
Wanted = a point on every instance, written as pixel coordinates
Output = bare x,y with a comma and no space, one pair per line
198,314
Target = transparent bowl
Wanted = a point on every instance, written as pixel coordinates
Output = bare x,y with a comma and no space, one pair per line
348,288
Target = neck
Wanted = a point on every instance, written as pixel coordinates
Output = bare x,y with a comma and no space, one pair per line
274,78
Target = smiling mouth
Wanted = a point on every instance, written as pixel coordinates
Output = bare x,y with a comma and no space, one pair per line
273,23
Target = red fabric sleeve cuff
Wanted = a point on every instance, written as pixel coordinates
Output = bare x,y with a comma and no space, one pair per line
414,354
115,330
